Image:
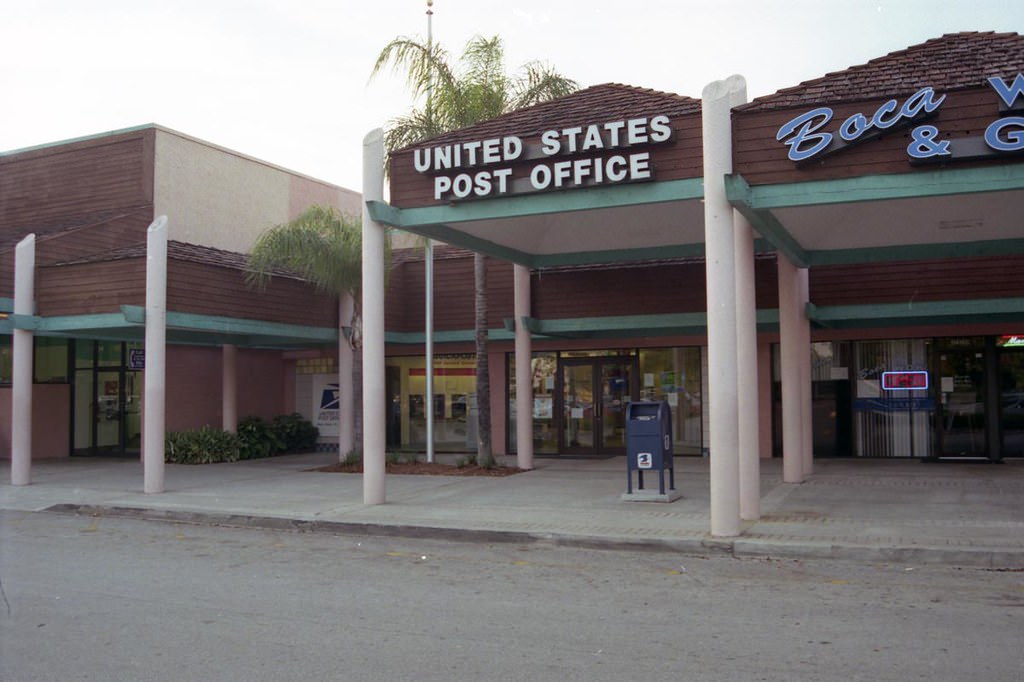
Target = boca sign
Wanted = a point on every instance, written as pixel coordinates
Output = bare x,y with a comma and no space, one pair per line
807,136
483,168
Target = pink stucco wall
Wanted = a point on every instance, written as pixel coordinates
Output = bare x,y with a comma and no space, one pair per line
194,386
50,431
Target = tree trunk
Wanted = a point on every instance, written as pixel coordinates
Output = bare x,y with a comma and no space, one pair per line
484,456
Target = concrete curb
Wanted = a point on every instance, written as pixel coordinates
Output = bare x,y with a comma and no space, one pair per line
740,547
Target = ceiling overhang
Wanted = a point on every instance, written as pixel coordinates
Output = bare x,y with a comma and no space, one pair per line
623,223
129,324
952,212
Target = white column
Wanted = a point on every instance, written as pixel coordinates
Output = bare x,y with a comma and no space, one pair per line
156,357
524,369
717,102
229,387
346,389
21,371
806,423
746,370
790,313
374,395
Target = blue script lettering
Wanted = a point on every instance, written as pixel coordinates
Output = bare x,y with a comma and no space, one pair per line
806,142
1006,134
1008,93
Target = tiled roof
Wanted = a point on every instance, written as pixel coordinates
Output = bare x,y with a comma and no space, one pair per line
597,104
954,61
191,253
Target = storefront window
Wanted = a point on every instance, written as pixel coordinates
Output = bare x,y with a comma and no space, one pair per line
51,360
674,375
545,432
891,423
454,404
1011,393
5,359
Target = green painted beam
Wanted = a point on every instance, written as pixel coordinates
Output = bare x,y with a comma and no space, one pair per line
945,182
452,336
6,305
74,323
538,204
741,195
237,326
918,312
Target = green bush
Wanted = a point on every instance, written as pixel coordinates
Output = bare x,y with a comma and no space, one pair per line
295,432
200,446
256,438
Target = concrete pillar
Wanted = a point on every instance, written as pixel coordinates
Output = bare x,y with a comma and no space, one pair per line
748,397
229,387
374,394
346,389
806,423
717,102
21,370
790,313
156,357
524,370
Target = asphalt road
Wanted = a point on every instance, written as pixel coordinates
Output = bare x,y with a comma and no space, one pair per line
119,599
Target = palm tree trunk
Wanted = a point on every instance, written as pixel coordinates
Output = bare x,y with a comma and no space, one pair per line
484,456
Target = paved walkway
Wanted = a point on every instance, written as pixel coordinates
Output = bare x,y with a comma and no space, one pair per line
877,510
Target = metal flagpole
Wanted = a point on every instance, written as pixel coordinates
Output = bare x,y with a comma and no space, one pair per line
428,259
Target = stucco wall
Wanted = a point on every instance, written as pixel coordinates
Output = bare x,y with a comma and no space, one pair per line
50,410
194,386
216,197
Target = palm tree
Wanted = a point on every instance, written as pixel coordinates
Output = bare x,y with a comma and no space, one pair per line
474,90
324,247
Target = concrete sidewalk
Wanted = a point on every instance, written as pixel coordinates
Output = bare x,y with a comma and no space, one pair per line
875,510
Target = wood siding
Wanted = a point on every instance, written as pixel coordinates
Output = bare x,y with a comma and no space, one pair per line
206,290
761,159
453,295
78,199
941,280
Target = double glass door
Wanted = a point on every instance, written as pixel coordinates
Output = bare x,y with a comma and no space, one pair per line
595,392
108,395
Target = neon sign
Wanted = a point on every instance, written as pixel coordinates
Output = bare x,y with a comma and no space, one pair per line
807,139
904,381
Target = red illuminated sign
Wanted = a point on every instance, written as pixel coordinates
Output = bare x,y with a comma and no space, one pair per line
904,381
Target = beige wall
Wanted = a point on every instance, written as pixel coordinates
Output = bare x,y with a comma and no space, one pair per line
216,197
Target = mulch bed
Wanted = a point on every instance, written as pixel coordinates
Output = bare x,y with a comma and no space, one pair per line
424,469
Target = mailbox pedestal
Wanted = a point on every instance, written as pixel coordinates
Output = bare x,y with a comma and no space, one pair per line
649,447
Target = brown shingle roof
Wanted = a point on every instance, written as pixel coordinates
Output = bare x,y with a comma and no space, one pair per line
191,253
954,61
597,104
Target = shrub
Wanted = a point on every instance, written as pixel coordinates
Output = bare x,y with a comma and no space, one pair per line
200,446
295,432
256,438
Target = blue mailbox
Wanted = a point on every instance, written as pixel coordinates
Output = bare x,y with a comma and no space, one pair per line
649,443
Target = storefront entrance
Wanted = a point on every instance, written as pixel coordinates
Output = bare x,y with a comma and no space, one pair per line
960,413
595,392
108,392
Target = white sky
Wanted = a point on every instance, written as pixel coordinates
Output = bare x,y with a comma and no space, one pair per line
286,81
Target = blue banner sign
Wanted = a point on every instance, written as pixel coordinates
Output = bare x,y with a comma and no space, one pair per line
807,138
893,404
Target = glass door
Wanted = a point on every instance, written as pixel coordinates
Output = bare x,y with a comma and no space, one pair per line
961,411
108,401
595,392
